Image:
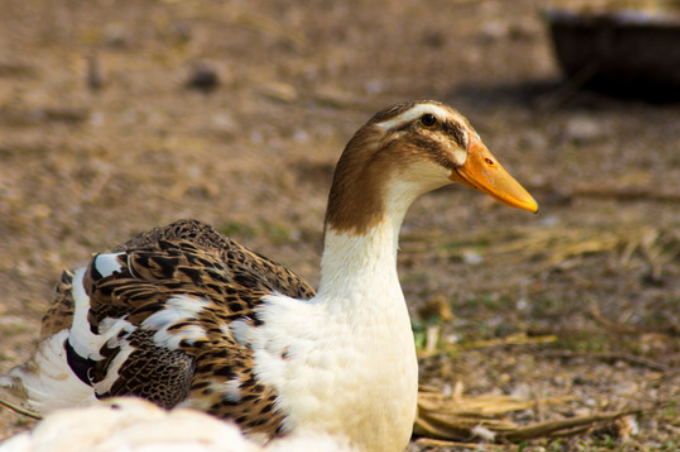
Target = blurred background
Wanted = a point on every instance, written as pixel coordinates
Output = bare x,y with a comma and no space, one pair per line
117,116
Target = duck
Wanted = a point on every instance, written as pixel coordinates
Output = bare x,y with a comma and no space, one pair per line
185,317
130,424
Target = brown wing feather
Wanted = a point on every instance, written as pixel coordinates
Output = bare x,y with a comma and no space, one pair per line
231,253
188,258
60,314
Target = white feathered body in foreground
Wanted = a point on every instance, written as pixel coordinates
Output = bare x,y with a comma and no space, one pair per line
134,425
184,316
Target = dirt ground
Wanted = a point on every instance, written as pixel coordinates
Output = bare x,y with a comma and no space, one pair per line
110,125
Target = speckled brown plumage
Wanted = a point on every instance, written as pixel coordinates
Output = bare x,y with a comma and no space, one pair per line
60,314
184,258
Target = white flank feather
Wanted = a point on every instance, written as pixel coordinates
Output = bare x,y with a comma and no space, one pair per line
47,380
177,310
81,337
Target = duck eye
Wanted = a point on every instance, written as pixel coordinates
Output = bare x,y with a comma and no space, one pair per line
428,120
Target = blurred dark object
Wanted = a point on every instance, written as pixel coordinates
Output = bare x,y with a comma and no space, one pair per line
203,77
622,47
95,79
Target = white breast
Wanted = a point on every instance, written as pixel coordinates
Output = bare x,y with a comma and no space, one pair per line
344,362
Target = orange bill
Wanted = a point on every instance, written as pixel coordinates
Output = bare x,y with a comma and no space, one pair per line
482,172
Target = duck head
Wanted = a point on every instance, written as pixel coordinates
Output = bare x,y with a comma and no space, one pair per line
409,149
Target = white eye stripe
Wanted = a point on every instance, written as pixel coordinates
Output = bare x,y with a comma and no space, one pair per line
413,113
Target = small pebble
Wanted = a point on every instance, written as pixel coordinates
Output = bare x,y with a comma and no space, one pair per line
583,130
203,78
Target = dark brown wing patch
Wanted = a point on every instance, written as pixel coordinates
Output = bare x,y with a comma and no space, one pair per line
157,374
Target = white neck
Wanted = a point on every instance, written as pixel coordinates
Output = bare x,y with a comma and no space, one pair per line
360,289
354,267
363,266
